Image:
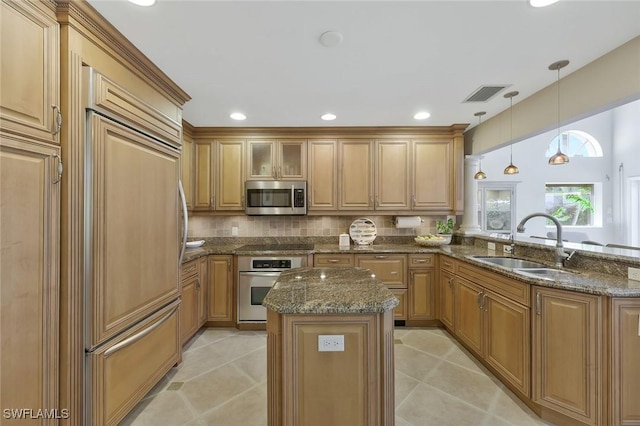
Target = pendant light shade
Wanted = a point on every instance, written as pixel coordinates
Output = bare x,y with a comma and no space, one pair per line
480,175
511,169
558,158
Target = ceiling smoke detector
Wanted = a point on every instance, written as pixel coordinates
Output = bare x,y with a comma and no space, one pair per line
330,38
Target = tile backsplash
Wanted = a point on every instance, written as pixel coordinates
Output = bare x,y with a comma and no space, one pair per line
298,226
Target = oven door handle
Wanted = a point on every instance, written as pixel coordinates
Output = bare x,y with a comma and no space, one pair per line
260,274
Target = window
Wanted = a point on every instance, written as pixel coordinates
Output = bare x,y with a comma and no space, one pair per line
574,204
575,143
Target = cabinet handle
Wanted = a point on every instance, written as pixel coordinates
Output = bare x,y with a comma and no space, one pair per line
58,169
58,119
538,308
381,257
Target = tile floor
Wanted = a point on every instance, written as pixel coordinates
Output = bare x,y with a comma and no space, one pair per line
222,382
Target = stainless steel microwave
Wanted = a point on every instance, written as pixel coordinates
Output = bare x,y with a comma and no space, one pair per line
275,197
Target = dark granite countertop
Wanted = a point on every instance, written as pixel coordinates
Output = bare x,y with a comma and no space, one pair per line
329,291
601,279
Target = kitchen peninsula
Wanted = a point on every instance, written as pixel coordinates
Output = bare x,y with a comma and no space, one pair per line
330,348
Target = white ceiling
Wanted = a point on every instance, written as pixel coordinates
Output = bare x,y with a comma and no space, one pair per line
263,58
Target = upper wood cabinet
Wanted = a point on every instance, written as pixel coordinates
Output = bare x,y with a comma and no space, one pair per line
392,175
219,175
432,179
271,159
567,363
355,160
322,187
30,98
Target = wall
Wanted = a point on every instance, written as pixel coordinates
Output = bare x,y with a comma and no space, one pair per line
296,226
616,130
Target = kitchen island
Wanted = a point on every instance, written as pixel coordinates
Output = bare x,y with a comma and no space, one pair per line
330,348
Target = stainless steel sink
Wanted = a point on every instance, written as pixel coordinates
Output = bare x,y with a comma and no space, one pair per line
510,262
543,273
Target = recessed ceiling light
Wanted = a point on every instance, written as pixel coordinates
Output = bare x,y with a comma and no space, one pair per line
328,116
143,2
238,116
542,3
422,115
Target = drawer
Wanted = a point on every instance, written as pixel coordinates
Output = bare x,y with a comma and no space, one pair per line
188,270
390,269
333,260
422,260
447,264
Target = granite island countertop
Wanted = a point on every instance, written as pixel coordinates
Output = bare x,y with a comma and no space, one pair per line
329,291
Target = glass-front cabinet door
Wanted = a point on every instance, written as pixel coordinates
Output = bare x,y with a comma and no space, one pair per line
277,159
497,206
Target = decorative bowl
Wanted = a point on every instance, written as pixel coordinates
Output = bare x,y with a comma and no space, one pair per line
431,240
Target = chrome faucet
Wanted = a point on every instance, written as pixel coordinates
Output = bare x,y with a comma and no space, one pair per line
560,255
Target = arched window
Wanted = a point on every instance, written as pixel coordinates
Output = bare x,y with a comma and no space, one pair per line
575,143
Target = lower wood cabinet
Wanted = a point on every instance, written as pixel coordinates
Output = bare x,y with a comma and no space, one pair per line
625,360
220,290
567,359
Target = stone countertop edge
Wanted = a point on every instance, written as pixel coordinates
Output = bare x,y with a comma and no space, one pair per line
581,281
329,291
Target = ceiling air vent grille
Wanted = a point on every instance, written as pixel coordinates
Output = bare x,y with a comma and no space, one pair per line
484,93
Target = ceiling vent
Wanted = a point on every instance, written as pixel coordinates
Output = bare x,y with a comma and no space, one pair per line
484,93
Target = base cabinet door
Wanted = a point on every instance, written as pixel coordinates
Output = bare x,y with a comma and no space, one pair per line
566,362
447,306
468,313
625,358
220,288
507,345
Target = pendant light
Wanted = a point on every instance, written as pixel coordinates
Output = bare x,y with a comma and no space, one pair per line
480,175
511,169
558,157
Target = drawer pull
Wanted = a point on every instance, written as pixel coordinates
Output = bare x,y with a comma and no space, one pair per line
139,335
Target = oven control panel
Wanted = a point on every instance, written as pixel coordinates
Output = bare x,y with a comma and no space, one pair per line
271,264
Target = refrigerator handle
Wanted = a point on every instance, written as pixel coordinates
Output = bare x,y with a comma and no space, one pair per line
185,220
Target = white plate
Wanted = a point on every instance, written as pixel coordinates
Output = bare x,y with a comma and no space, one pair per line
363,231
194,244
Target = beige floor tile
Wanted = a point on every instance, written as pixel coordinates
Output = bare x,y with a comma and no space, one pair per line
403,386
249,408
414,363
434,344
471,387
167,408
215,387
427,406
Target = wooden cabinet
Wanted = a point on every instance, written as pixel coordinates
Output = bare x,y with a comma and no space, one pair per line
432,179
567,362
220,290
625,347
355,160
391,270
494,322
219,175
323,174
282,159
392,171
333,260
187,165
30,81
29,271
192,296
422,291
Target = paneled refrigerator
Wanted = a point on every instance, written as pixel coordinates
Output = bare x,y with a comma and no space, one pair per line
133,245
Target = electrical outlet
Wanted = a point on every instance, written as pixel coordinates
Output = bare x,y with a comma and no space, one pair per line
234,231
507,249
491,246
330,343
634,274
